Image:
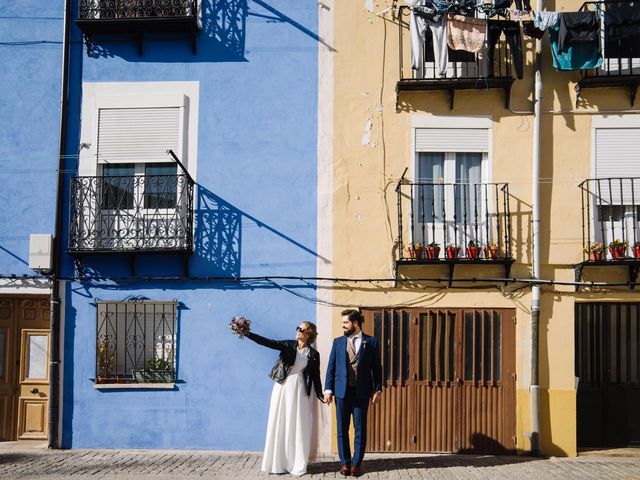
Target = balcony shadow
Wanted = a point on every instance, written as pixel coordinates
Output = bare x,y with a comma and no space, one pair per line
221,39
218,235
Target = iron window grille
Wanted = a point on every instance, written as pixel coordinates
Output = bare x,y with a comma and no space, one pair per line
131,213
621,59
128,9
454,213
610,211
465,70
136,341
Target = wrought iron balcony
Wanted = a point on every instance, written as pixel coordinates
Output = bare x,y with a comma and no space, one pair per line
464,70
141,213
610,217
473,219
621,60
138,17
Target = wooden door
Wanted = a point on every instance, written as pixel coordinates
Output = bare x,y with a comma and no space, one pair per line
449,381
24,371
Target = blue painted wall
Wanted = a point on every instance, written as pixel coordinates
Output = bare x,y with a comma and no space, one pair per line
30,71
256,163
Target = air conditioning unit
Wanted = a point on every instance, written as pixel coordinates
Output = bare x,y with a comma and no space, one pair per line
40,250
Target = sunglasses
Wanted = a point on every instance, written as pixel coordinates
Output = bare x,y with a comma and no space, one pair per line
301,330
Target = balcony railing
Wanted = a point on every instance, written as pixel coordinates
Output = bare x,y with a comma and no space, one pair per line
621,60
464,70
462,214
138,17
131,214
610,211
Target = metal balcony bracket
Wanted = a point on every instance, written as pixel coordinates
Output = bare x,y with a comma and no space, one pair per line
185,264
140,41
452,95
88,43
132,265
632,264
507,97
507,271
610,81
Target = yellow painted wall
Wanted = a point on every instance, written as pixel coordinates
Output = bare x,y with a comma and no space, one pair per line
371,149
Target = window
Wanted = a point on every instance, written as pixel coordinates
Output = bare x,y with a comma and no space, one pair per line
136,342
615,193
132,195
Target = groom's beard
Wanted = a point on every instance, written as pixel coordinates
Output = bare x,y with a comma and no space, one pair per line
349,332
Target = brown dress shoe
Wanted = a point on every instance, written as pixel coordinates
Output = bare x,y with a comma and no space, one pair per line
355,471
345,470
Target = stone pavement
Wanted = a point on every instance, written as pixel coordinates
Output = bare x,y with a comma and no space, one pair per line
19,462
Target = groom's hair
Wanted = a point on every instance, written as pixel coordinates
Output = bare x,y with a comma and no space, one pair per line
353,316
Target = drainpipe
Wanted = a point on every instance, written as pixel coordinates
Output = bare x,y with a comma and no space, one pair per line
534,389
54,355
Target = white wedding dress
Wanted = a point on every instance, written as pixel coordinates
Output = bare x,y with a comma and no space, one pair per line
288,445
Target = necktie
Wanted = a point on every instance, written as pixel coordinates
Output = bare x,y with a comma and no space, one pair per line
353,344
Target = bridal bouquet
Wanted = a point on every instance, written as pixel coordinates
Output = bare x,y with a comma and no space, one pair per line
240,326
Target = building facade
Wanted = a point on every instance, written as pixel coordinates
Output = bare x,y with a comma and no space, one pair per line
31,57
442,152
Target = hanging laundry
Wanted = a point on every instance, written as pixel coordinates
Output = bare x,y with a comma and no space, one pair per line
544,20
621,30
511,30
500,4
577,28
437,23
530,30
466,33
523,5
578,56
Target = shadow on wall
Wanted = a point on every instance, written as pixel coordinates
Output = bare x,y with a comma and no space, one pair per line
222,39
217,246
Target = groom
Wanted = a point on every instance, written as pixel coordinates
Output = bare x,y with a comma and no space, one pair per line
354,374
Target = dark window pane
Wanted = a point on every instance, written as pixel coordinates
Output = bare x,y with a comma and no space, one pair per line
487,347
396,345
478,345
160,185
387,345
118,186
468,346
497,346
406,322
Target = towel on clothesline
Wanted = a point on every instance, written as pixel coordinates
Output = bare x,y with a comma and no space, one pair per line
466,33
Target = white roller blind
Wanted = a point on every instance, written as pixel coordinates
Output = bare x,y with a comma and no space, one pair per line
133,135
452,140
617,155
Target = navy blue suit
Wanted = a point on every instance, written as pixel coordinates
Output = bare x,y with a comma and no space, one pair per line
353,400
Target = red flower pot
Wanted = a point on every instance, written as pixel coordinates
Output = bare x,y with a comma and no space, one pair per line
636,251
618,253
452,252
472,253
415,253
595,256
432,252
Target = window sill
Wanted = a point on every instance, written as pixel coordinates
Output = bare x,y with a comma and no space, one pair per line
134,386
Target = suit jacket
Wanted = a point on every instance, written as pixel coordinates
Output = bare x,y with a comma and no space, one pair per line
369,367
287,349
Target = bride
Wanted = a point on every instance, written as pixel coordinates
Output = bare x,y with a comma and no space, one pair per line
287,447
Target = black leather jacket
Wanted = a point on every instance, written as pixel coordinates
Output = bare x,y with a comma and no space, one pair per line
288,350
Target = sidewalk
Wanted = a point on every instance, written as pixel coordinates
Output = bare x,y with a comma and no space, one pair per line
20,462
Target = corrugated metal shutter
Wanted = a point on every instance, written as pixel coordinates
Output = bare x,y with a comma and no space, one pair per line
617,155
452,140
133,135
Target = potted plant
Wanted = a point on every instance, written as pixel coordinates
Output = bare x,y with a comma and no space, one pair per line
636,249
105,359
156,371
452,251
491,250
618,248
473,250
432,251
415,251
595,250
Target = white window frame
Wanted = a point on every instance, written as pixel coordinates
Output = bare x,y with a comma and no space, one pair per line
451,123
184,95
600,122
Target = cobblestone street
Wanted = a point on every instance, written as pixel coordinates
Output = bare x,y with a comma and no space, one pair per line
17,462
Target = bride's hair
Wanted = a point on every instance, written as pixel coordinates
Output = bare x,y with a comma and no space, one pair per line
313,331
